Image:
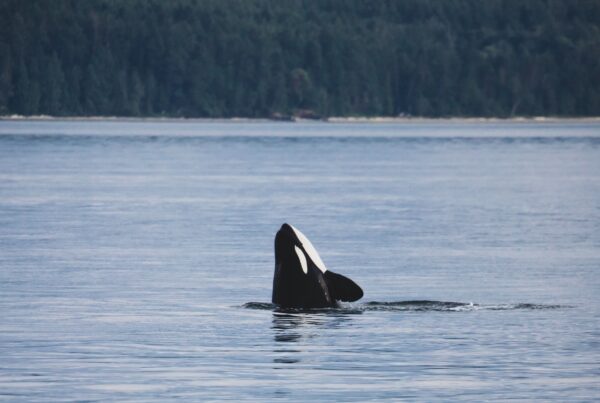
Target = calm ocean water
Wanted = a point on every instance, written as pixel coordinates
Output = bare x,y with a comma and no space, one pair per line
136,261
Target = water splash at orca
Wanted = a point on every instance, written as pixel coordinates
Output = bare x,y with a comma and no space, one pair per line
408,306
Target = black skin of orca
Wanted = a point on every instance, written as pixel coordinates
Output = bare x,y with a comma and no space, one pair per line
292,288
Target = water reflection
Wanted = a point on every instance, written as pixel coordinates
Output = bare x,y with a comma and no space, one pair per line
295,327
287,326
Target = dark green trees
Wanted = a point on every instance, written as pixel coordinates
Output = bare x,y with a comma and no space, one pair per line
256,58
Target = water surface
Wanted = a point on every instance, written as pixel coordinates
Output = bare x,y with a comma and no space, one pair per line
136,261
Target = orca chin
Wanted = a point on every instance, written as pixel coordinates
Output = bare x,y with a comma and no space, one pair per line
301,279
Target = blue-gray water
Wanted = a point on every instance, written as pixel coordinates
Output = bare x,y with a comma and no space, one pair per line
136,261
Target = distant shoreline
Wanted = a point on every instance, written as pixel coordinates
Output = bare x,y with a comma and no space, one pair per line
333,120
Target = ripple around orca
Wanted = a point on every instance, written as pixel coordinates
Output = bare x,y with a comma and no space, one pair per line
408,306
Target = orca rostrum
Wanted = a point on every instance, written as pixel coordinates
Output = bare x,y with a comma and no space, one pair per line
301,279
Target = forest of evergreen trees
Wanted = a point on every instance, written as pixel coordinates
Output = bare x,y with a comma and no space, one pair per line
257,58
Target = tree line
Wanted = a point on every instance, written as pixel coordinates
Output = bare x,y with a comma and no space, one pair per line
262,58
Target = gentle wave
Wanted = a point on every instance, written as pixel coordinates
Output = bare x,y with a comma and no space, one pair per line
414,306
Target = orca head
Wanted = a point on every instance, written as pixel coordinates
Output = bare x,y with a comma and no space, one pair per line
301,278
296,250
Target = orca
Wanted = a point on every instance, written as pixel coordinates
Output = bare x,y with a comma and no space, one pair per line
301,279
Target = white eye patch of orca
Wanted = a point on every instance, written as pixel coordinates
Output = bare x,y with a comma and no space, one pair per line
310,249
302,259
